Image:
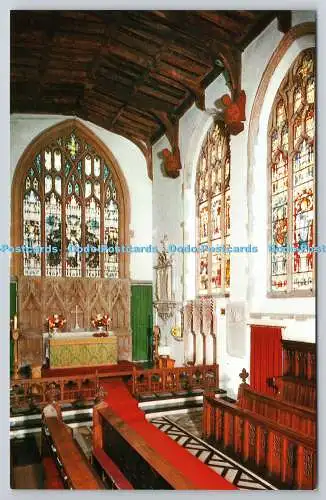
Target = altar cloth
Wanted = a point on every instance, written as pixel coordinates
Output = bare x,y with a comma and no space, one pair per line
77,349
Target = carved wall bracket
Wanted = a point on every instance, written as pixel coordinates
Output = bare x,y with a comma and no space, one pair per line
171,160
231,112
172,163
234,112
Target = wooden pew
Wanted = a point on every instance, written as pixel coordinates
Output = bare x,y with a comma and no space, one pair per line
297,418
75,470
135,458
297,385
111,475
265,445
299,359
297,391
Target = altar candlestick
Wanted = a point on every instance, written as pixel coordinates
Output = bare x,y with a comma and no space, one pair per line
15,322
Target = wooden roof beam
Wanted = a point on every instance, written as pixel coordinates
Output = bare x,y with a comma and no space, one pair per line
284,21
231,60
256,28
126,97
152,65
204,30
195,89
221,18
169,34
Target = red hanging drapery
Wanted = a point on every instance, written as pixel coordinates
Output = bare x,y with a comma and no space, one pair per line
265,357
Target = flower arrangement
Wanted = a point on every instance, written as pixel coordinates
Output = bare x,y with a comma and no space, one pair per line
56,322
101,321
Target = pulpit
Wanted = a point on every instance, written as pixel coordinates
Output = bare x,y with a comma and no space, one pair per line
77,349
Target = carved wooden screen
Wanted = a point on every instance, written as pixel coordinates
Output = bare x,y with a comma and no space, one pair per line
70,197
292,178
213,212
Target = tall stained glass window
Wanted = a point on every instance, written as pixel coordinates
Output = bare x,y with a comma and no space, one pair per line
213,211
70,201
292,178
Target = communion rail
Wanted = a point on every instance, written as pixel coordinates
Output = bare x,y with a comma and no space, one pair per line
286,456
299,419
158,380
37,392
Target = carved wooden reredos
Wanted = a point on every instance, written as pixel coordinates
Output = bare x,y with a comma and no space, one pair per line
40,297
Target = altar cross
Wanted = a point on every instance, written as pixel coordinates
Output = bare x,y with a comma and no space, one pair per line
77,327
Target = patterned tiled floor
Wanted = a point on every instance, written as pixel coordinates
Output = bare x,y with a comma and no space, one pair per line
218,461
191,422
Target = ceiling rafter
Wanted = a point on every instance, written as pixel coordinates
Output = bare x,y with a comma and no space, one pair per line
133,72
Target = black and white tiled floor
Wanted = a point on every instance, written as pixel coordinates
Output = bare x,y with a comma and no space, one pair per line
233,472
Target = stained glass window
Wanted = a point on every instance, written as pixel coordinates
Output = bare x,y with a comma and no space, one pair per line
70,201
213,211
292,174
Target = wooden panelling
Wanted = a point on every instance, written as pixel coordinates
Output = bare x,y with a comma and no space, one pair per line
299,359
297,418
289,458
39,297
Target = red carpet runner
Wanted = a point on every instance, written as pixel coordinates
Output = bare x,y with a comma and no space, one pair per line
125,406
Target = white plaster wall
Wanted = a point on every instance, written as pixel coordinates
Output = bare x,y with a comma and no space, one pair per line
167,220
24,128
174,203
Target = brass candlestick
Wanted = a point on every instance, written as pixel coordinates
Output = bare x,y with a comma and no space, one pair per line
15,337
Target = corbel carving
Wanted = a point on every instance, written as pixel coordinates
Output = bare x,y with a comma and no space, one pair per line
231,112
172,164
172,161
235,112
230,108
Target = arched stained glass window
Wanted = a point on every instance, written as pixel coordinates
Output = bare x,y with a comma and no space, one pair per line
213,211
70,200
292,178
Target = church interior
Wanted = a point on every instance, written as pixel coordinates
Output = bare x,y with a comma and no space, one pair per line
162,250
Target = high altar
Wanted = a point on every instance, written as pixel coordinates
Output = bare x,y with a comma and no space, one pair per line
39,297
75,349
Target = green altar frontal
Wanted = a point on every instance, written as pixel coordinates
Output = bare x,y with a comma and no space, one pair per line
88,351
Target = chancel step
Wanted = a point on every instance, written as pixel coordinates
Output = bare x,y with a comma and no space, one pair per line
174,403
31,423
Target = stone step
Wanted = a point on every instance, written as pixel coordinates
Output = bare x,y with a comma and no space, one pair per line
32,423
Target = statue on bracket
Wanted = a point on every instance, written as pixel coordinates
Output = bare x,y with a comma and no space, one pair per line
164,295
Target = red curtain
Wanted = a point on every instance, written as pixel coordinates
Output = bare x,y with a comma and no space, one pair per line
265,357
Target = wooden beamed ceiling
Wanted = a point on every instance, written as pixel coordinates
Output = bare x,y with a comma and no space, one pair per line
124,70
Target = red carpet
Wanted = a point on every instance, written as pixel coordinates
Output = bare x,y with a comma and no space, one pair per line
121,369
125,406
